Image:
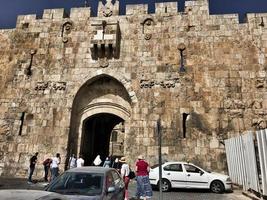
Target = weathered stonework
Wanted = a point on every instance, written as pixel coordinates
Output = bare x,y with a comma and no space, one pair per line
69,75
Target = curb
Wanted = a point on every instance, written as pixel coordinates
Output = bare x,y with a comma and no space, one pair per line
251,196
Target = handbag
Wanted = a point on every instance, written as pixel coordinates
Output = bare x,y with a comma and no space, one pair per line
131,174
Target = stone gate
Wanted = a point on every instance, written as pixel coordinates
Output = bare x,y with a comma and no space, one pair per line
69,81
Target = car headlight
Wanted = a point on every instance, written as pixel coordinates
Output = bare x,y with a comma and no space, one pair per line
228,179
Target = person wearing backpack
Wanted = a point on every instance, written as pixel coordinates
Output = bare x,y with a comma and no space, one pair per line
125,171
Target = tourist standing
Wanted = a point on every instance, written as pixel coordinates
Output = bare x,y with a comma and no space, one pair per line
125,171
144,189
80,161
47,162
72,161
55,166
33,162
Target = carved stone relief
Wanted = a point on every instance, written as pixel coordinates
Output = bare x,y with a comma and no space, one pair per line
28,70
168,83
234,104
259,123
148,26
66,29
103,62
51,85
108,9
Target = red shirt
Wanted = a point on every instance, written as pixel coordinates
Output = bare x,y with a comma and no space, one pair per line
142,168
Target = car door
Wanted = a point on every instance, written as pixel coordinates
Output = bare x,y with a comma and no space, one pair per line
175,174
115,181
119,185
196,178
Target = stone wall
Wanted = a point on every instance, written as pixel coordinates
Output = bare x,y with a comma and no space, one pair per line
219,92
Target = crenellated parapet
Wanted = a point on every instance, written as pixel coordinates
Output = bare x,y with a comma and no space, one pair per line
138,9
79,14
166,8
196,13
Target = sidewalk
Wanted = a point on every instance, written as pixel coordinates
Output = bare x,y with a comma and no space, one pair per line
20,183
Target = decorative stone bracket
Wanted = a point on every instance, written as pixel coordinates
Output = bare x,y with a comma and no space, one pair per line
105,41
65,31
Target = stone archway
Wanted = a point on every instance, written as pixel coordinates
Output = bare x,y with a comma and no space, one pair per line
99,105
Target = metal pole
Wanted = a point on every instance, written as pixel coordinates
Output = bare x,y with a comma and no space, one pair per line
160,159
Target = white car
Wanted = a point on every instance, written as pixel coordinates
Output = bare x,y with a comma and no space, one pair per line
188,175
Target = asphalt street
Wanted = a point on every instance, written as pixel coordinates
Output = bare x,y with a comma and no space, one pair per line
12,183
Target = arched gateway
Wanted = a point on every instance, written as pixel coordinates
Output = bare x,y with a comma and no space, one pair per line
100,105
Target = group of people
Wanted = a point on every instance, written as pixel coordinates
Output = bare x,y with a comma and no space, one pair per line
50,165
144,190
76,162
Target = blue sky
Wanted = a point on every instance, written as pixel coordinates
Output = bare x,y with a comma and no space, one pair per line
9,9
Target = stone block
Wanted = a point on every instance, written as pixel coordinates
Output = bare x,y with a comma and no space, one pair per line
78,14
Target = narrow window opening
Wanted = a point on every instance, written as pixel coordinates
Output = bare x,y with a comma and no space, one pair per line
166,9
21,122
184,124
114,137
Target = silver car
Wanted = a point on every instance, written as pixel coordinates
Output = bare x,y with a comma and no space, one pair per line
98,183
11,194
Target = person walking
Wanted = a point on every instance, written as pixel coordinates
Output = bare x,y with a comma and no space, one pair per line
33,162
55,166
47,162
80,161
97,161
107,162
144,189
72,161
125,171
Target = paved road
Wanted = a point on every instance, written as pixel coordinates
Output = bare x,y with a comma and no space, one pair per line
10,183
176,194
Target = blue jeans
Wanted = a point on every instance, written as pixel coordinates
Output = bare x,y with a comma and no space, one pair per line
144,188
31,170
54,172
46,169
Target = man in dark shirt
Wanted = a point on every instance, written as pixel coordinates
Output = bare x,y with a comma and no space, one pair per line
33,161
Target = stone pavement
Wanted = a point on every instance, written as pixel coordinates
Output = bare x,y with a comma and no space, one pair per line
19,183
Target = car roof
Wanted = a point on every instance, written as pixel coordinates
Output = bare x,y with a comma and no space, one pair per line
180,162
91,169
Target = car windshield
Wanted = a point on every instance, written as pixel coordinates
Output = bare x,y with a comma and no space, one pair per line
89,184
156,165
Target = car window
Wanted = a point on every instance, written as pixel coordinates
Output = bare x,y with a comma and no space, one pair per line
109,180
116,177
192,169
173,167
78,183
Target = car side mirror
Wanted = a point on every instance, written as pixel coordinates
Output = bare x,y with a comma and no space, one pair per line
201,173
111,189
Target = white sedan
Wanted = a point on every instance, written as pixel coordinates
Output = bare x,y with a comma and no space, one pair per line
188,175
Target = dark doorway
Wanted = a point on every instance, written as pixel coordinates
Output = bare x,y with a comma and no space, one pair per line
96,136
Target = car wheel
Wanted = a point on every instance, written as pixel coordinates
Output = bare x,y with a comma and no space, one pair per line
217,187
166,185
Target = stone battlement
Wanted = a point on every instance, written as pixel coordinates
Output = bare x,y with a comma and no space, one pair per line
196,11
